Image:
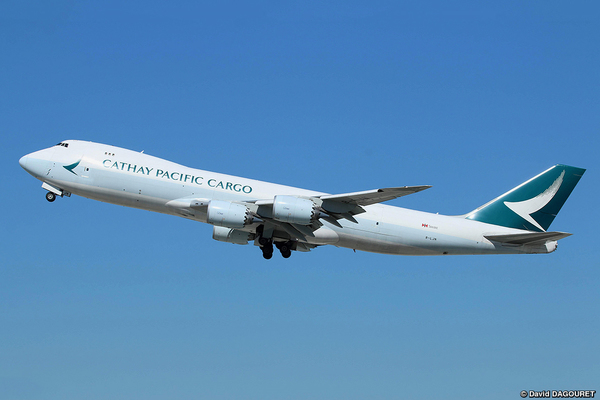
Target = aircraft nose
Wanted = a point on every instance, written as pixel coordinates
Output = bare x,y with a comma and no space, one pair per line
23,162
35,163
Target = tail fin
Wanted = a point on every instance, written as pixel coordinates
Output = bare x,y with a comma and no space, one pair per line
534,204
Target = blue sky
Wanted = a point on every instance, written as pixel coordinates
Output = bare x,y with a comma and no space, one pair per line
99,301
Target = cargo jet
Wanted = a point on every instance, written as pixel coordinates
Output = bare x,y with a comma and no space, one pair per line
243,210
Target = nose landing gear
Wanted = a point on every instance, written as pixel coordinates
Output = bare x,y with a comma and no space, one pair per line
53,191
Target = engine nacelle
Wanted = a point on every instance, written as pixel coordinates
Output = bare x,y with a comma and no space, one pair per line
294,210
223,234
228,214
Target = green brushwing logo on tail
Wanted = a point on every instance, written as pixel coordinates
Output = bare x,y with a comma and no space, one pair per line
534,204
71,167
525,208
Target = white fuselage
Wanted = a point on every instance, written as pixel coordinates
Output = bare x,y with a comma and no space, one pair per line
120,176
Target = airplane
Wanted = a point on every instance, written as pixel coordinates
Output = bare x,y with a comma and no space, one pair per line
244,210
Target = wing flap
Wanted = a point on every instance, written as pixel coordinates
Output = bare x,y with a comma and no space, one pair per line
528,238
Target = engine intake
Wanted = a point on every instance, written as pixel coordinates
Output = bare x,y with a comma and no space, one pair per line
228,214
294,210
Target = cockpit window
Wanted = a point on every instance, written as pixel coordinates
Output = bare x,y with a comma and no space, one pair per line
63,144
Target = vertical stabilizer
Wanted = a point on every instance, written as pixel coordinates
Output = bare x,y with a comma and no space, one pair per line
534,204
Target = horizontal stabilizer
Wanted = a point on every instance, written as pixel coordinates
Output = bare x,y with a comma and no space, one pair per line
528,238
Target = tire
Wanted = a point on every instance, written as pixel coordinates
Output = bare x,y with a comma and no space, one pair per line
267,255
50,197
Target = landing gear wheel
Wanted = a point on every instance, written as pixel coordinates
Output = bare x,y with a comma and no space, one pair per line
50,197
267,248
267,254
262,241
286,252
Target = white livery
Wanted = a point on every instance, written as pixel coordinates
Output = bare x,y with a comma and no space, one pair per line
243,210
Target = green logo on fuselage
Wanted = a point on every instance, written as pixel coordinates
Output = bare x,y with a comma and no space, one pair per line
71,167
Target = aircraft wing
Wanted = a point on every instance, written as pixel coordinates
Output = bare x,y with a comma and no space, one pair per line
528,238
334,206
338,206
374,196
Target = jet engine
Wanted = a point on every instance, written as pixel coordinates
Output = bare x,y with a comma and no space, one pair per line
223,234
228,214
294,210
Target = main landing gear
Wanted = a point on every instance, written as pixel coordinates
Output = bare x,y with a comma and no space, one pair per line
285,248
266,245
